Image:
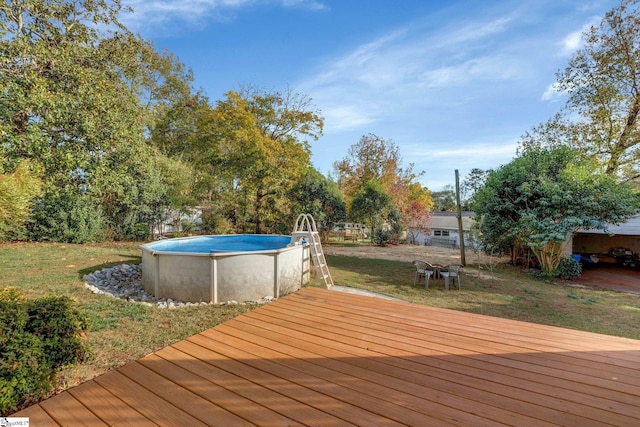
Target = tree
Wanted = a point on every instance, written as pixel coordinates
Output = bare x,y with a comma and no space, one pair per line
542,197
602,80
79,93
417,219
18,190
444,200
259,153
372,205
474,181
375,159
319,196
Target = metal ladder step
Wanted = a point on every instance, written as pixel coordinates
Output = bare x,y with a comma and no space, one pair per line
305,228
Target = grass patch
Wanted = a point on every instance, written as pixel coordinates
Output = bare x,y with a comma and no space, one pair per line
509,293
120,331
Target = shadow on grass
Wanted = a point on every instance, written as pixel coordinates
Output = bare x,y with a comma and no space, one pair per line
365,272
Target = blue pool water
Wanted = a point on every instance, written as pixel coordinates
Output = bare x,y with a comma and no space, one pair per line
222,243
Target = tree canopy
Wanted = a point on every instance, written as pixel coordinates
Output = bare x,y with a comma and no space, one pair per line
372,205
18,189
374,159
122,139
602,81
542,197
79,93
317,195
249,151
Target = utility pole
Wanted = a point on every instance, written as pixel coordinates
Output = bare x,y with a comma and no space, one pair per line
460,229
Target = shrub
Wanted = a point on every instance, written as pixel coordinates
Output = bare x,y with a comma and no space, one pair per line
68,218
37,338
568,269
25,373
381,237
59,324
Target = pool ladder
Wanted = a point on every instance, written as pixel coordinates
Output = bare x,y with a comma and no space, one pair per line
305,228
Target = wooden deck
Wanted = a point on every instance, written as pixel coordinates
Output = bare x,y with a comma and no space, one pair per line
321,357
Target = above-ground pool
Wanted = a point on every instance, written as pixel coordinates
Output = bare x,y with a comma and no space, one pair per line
219,268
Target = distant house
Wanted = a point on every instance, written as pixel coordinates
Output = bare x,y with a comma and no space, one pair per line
350,231
443,230
176,221
610,246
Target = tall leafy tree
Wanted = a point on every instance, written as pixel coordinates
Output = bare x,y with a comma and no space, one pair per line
373,158
78,92
18,189
373,206
319,196
542,197
472,183
444,200
602,80
260,151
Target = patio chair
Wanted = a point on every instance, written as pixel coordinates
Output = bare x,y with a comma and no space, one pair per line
423,269
451,272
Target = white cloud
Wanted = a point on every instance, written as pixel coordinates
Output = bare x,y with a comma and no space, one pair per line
305,4
401,69
553,93
474,153
155,13
346,117
479,30
573,41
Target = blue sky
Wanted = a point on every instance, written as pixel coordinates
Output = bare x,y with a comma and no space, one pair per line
454,84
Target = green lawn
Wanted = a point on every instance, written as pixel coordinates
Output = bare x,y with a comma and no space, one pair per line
122,332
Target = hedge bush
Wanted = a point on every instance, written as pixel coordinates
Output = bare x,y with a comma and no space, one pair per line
37,338
568,269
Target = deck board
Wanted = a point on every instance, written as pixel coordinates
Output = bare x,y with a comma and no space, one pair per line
319,357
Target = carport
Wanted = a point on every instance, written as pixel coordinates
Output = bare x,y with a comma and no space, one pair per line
615,254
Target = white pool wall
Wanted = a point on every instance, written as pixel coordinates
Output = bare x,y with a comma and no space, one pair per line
225,276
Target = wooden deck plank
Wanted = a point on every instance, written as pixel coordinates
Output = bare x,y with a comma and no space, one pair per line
635,389
479,393
279,398
67,411
254,397
413,338
533,334
410,390
147,403
584,358
551,401
328,400
367,408
207,412
320,357
37,416
401,393
106,406
251,410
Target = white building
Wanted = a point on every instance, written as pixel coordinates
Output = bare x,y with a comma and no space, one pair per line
443,230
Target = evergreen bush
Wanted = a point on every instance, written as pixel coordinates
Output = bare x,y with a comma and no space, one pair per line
568,269
37,338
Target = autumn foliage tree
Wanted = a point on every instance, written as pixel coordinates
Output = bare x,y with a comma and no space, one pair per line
18,189
374,159
255,152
